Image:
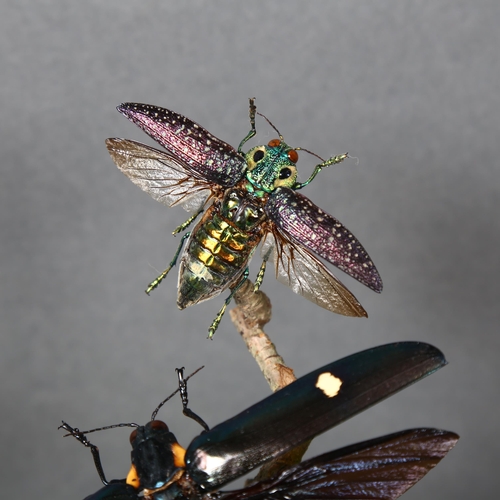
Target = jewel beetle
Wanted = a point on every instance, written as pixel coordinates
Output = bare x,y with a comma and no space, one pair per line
244,199
381,468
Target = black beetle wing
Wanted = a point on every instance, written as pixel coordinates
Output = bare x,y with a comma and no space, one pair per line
382,468
300,220
160,174
203,155
304,409
117,489
300,270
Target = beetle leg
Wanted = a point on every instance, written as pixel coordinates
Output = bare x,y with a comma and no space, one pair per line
216,321
80,436
253,110
184,398
331,161
160,278
187,223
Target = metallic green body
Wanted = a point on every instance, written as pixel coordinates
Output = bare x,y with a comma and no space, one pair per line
275,169
224,240
220,247
243,198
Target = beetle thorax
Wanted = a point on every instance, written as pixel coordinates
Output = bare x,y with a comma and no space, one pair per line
243,210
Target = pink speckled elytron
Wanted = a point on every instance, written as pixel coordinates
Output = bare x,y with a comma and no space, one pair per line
245,199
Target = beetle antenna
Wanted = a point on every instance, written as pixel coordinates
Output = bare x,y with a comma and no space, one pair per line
270,123
75,431
310,152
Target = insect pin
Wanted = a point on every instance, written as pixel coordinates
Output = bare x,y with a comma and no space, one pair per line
243,199
380,468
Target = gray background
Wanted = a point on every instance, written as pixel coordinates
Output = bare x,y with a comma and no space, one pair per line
410,89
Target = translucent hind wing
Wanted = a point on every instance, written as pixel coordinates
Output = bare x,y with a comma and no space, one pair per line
298,269
160,174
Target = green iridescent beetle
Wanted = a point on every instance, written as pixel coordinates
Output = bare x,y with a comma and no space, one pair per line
243,199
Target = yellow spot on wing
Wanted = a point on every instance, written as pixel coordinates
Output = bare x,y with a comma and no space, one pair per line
329,384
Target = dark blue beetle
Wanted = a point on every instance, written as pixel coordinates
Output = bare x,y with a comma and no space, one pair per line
382,468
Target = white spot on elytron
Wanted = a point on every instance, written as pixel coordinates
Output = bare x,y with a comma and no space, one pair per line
329,384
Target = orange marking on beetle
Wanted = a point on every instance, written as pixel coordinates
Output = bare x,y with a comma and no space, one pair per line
179,453
133,478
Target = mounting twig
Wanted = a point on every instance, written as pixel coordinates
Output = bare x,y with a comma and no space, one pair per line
253,311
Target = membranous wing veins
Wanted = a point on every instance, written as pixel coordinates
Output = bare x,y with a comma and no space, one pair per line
243,199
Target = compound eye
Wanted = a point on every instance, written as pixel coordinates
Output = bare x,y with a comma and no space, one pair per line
158,425
285,173
133,436
293,156
258,155
274,143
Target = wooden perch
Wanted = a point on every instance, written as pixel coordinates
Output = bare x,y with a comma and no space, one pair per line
253,311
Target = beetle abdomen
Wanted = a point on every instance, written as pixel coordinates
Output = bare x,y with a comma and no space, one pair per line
216,256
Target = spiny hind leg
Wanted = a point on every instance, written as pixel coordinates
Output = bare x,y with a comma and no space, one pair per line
216,321
160,278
